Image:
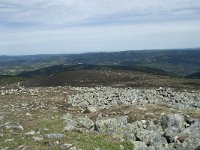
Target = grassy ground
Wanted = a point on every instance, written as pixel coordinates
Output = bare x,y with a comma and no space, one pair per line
46,120
6,80
115,78
86,141
55,105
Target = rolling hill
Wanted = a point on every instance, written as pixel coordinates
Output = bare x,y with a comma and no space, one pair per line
181,62
195,75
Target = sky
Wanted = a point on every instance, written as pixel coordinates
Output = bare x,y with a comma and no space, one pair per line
77,26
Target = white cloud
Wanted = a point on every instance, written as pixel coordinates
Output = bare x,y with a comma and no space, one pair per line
68,12
46,25
102,38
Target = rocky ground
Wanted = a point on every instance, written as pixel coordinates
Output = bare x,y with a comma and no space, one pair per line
99,118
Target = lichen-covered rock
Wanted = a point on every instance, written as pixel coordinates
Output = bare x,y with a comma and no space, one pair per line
107,96
151,148
172,124
129,137
91,109
66,117
112,126
176,121
148,136
84,122
68,127
159,142
190,136
78,123
138,145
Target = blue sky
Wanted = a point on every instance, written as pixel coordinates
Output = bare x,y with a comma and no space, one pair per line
76,26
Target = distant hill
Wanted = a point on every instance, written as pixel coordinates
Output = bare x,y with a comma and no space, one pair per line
182,62
195,75
105,76
52,70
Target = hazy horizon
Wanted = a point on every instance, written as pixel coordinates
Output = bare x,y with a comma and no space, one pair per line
79,26
88,52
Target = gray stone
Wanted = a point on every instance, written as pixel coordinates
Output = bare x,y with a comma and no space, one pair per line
54,136
40,138
31,133
160,143
5,148
84,122
29,115
147,135
172,125
188,119
130,137
14,127
170,134
65,146
67,117
138,145
9,140
72,148
79,123
68,127
121,147
151,148
92,109
1,118
132,128
112,126
172,121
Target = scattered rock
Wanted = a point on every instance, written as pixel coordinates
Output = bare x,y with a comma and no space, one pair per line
14,127
172,125
121,147
5,148
65,146
40,138
45,129
54,136
72,148
104,97
29,115
84,122
1,118
138,145
170,132
151,148
176,121
148,136
91,109
31,133
112,126
159,143
69,127
9,140
67,117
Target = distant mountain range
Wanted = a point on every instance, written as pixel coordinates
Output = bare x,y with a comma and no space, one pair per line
181,62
